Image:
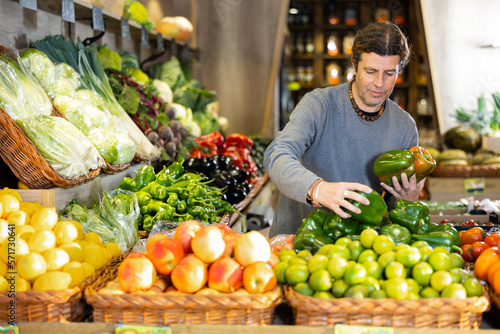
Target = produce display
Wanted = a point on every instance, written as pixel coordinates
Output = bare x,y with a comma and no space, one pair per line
49,253
198,260
175,195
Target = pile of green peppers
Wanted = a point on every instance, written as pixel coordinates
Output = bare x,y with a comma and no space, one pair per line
176,196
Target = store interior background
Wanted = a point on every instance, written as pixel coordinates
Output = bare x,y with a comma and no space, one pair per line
240,45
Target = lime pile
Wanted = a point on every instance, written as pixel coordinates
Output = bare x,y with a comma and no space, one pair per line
374,267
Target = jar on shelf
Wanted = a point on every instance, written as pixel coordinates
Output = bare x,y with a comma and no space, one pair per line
333,13
309,45
308,75
423,104
382,14
397,10
400,98
301,71
351,18
422,75
333,45
299,45
349,73
347,42
333,73
291,74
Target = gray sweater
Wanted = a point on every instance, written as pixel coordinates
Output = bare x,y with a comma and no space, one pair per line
325,138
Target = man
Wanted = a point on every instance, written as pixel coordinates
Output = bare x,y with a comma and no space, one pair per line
327,149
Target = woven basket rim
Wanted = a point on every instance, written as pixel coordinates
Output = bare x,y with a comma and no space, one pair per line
466,171
386,306
495,297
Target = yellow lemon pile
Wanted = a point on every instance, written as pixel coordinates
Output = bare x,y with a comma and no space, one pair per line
40,252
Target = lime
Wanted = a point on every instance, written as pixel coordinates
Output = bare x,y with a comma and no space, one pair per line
440,249
419,243
454,290
339,287
456,260
287,251
383,244
303,253
325,249
367,236
373,269
429,292
317,262
422,273
401,246
413,285
371,283
425,250
337,266
397,288
320,280
357,291
408,256
378,294
367,255
455,277
386,258
303,288
297,260
441,279
323,294
296,273
355,274
395,269
440,261
279,270
337,250
473,287
412,296
464,274
355,247
344,241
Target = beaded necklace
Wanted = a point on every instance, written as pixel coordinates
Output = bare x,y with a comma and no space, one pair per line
369,117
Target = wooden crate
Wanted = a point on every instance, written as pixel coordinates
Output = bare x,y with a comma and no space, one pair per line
453,188
492,143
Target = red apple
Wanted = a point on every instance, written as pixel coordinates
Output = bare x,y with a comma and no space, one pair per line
208,244
136,255
230,240
225,275
190,275
185,232
165,253
252,247
259,277
207,291
153,238
136,273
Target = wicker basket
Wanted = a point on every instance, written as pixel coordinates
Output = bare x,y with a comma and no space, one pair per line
226,309
53,306
421,313
495,297
466,171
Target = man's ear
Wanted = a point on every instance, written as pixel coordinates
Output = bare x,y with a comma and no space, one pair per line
354,65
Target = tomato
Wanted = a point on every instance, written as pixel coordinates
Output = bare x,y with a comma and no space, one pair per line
467,252
485,260
478,247
460,235
472,235
444,221
492,239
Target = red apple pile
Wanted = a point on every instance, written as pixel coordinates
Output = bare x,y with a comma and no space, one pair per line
202,260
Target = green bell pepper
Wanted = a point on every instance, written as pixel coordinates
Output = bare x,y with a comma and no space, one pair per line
415,216
448,227
443,239
394,163
336,227
157,206
399,234
157,190
143,198
168,174
313,221
370,214
311,240
143,177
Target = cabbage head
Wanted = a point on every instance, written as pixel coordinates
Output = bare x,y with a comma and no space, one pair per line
61,87
40,66
65,71
110,59
138,75
88,96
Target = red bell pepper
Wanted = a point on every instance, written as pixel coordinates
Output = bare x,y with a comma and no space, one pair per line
424,163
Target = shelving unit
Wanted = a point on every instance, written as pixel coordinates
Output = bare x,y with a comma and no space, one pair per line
306,57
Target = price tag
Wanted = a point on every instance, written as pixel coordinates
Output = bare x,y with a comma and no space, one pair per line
144,36
474,185
125,28
186,54
160,46
97,19
30,4
122,329
68,11
347,329
173,48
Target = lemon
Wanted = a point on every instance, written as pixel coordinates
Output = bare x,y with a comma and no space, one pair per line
18,218
94,255
31,265
24,231
65,231
82,242
113,248
21,185
22,284
107,253
56,258
89,269
53,280
29,208
12,192
79,228
3,284
93,237
20,248
74,251
41,240
4,230
1,209
44,219
9,204
77,272
3,269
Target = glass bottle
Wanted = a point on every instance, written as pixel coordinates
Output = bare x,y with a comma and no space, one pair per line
351,16
347,42
308,75
333,73
381,14
299,44
349,73
333,15
301,73
332,45
423,104
309,45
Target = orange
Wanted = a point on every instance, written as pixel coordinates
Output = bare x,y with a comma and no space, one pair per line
496,282
484,262
491,272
